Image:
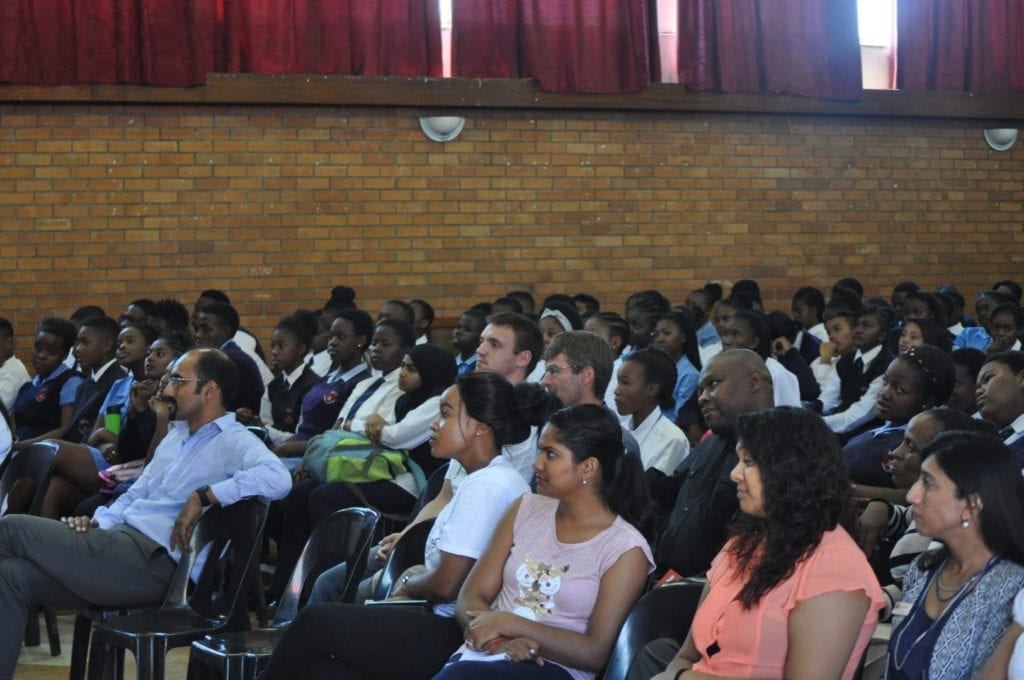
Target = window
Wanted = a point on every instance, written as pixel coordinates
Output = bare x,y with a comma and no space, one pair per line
877,26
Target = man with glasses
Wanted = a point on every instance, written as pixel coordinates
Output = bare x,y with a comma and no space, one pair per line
577,368
126,554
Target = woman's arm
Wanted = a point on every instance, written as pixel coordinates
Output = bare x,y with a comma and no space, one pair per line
483,584
823,631
438,586
997,666
894,496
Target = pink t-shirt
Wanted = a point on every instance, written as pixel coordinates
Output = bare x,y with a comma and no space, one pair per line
754,643
556,583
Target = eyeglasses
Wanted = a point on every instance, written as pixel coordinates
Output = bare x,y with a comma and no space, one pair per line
176,381
553,370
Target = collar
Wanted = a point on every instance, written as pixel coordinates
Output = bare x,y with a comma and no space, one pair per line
1018,424
227,343
293,377
648,423
96,375
869,356
956,328
216,425
347,376
54,374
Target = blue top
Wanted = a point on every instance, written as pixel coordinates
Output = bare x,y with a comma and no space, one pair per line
687,377
463,367
120,394
707,334
973,336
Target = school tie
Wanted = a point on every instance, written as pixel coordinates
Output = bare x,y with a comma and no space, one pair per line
858,366
364,396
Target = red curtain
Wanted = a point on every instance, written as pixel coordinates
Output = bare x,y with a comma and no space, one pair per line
153,42
175,43
354,37
800,47
964,45
595,46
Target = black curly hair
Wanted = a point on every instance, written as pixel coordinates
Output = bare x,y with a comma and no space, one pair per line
805,491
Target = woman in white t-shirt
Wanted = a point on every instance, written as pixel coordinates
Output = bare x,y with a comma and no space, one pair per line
478,415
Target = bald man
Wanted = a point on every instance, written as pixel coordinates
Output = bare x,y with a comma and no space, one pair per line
733,383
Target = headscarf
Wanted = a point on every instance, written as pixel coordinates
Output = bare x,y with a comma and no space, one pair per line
437,369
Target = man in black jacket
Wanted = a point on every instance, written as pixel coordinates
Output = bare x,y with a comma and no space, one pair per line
733,383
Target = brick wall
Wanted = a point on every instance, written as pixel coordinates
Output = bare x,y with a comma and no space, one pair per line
100,204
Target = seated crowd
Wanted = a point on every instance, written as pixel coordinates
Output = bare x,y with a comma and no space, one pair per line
852,462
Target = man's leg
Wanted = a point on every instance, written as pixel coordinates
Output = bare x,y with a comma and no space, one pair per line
43,562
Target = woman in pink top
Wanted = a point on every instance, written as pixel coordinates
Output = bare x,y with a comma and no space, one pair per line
547,599
790,595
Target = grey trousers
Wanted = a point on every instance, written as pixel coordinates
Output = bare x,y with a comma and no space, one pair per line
43,562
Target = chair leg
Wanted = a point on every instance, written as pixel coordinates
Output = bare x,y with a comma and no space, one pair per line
80,647
32,628
52,633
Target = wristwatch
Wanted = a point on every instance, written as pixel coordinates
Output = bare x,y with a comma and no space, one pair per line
204,498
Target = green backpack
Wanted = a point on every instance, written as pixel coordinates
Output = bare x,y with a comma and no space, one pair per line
343,456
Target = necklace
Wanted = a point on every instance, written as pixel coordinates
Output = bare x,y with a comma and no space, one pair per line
958,594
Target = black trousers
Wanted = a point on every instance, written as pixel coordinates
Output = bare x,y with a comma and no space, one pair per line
358,642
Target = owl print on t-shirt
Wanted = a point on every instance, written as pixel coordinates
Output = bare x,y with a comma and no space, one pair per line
538,583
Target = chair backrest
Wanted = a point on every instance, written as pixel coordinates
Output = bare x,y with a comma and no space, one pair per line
433,487
664,612
344,536
261,432
406,553
34,462
232,537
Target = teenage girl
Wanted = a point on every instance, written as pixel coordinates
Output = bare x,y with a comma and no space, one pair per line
646,381
674,335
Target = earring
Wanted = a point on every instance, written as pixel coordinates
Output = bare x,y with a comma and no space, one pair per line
584,481
965,523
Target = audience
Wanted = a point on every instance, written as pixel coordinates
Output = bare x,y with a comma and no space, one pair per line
658,371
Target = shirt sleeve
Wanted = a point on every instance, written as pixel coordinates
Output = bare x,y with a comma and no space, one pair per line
70,390
860,411
255,471
835,568
477,509
414,428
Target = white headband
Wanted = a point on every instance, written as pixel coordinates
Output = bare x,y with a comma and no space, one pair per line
562,318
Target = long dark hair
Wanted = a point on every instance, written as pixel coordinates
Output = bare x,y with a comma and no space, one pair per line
805,490
981,465
589,430
510,411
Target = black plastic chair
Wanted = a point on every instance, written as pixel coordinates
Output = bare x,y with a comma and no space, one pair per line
406,552
232,535
34,462
664,612
345,536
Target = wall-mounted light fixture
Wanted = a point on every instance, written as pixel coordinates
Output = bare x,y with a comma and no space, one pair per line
442,128
1001,139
